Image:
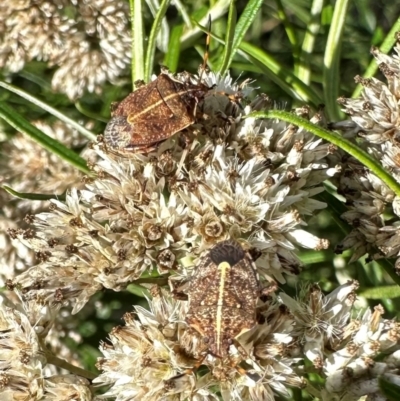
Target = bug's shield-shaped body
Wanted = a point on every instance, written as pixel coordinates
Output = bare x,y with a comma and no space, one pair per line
223,295
153,113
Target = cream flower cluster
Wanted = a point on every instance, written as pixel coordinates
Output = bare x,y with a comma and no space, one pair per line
88,41
28,168
373,208
147,217
246,179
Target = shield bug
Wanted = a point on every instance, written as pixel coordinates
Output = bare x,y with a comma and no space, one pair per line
153,113
223,294
156,111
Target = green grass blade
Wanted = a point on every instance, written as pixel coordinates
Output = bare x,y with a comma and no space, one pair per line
33,196
230,33
184,13
331,78
387,291
53,146
299,9
151,45
171,58
386,46
137,40
163,36
240,67
290,31
246,19
307,48
88,134
281,76
389,390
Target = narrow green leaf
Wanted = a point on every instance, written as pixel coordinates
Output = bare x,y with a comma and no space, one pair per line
151,45
138,290
88,134
299,9
171,58
88,113
230,33
281,76
246,19
277,73
331,78
386,46
389,269
182,10
33,196
246,67
309,258
330,136
388,291
24,126
307,48
163,35
389,390
137,40
35,78
335,210
290,31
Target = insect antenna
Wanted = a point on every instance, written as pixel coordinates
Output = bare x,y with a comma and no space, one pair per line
207,52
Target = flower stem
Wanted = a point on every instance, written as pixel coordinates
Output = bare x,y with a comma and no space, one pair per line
61,363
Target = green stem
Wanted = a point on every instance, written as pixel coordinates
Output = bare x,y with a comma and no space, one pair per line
8,114
137,40
33,196
310,37
160,281
61,363
342,143
151,43
90,135
332,56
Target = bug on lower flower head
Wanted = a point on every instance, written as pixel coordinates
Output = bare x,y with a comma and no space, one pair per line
223,294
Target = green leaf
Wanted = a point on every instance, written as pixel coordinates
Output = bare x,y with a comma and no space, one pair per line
138,290
331,77
163,35
171,58
336,208
280,75
390,390
313,257
88,134
388,292
290,31
53,146
307,48
137,40
230,32
33,196
151,46
88,113
246,19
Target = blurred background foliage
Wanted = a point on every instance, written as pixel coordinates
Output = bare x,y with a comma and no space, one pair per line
276,34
